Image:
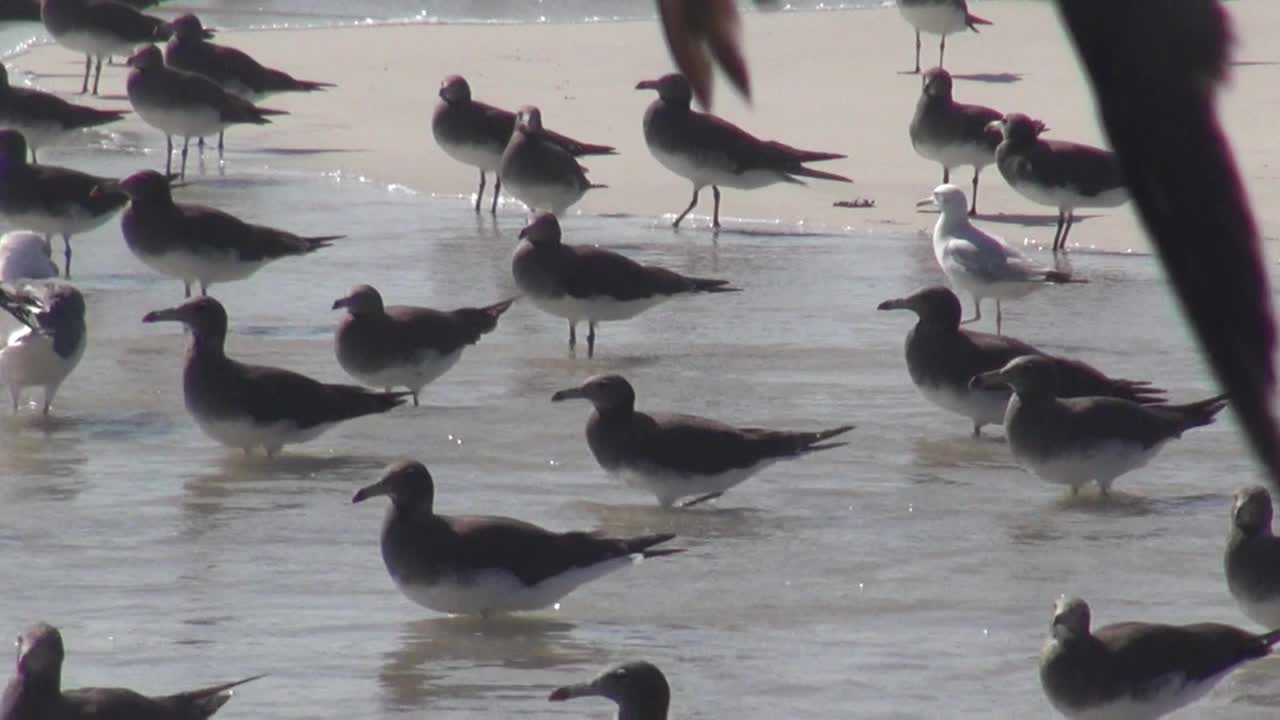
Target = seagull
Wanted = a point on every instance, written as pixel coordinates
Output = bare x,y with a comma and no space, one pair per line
44,351
1074,441
183,104
538,171
99,28
952,133
708,150
639,688
25,255
199,244
252,406
35,690
53,200
43,117
234,70
405,346
980,263
939,17
942,358
1138,670
585,282
1253,557
476,134
678,456
481,564
1064,175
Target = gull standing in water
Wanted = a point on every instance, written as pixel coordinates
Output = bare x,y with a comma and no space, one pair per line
35,690
585,282
186,105
980,263
942,358
53,200
677,456
1075,441
1253,557
254,406
484,564
48,347
1138,670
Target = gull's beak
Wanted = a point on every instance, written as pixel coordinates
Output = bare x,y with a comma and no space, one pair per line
569,692
341,302
167,315
575,393
645,85
895,304
927,202
369,491
524,232
993,380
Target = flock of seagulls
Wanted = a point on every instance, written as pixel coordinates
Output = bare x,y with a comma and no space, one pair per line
1065,421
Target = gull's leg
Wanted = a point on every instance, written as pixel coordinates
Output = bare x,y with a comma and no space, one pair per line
186,143
1066,230
977,312
946,174
221,135
715,214
973,203
999,316
66,255
200,145
700,499
977,430
497,190
415,397
186,292
168,155
573,335
917,70
88,65
692,204
942,50
1057,233
480,192
591,338
97,74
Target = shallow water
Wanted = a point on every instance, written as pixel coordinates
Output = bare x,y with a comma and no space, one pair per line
910,574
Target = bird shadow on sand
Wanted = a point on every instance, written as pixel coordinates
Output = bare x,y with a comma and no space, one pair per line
117,98
1252,63
1122,504
419,670
997,77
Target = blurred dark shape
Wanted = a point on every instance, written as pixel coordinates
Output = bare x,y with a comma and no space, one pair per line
1155,68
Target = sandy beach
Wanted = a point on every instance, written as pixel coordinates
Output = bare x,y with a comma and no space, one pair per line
827,81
